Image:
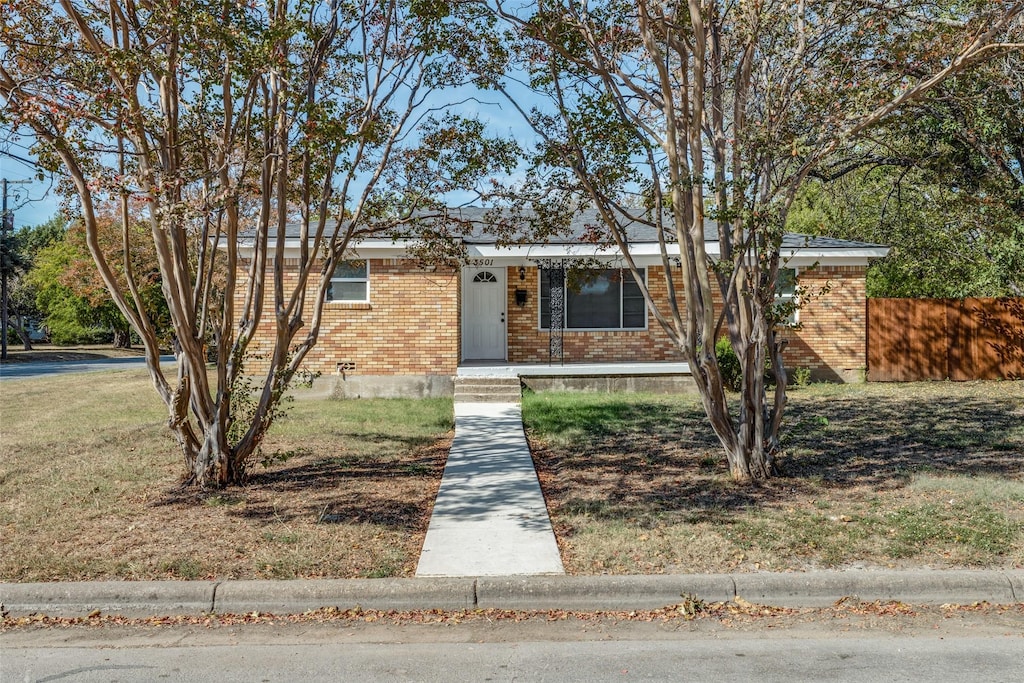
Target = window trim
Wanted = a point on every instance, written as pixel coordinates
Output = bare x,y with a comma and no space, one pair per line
794,297
583,330
365,279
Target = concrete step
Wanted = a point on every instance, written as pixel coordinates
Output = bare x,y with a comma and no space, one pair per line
488,398
488,390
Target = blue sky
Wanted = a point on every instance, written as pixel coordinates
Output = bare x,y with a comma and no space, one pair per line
38,201
34,203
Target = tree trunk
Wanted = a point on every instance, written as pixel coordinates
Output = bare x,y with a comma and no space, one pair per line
750,438
23,335
122,339
215,465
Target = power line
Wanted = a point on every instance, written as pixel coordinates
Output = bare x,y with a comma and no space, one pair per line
23,160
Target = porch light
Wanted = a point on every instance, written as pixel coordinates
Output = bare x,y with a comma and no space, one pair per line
522,276
520,297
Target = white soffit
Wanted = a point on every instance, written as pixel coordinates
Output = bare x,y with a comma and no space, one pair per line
645,254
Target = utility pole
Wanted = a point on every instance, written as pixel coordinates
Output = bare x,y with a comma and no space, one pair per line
6,260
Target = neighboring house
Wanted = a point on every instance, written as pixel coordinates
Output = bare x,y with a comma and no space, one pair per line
393,326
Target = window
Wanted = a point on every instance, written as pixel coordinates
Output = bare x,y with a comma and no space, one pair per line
597,300
350,282
786,297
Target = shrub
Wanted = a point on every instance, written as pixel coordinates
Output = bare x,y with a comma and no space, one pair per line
728,364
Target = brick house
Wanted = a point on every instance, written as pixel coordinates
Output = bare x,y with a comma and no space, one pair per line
392,326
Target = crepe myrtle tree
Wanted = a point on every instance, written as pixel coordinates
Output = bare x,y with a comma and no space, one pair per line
229,120
713,112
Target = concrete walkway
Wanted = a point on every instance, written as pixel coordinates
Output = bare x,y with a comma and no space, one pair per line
489,518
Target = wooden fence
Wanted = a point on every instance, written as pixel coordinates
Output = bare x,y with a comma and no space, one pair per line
957,339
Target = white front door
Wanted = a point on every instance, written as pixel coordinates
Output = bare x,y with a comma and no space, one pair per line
483,313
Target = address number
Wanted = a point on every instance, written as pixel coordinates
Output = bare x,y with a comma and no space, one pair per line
482,262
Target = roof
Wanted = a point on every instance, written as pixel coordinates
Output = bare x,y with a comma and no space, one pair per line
504,236
581,225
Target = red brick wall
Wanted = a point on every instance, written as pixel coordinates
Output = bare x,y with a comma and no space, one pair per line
831,342
409,327
529,344
832,339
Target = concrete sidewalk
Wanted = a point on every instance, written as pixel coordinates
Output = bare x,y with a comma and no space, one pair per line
489,517
581,593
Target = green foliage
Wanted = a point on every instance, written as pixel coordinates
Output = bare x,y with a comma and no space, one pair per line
19,255
71,296
728,365
801,376
70,318
943,244
939,185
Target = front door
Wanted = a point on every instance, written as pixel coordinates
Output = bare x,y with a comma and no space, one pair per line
483,313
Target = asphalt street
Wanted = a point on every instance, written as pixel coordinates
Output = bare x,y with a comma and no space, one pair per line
34,369
537,652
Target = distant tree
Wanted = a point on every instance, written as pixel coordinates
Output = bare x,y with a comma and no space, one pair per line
74,299
24,245
942,183
69,317
718,111
231,121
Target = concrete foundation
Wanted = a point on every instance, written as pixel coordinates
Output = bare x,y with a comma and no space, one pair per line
650,384
646,378
378,386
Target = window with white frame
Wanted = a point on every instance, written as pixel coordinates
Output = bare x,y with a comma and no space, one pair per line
598,300
786,296
350,282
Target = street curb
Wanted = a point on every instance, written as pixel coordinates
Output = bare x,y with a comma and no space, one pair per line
127,598
297,596
580,593
820,589
597,593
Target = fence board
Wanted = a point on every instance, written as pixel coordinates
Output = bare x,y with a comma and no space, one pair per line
919,339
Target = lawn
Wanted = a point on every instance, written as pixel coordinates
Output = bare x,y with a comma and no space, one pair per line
880,475
90,479
877,475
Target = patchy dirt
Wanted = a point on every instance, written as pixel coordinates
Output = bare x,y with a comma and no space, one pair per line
871,476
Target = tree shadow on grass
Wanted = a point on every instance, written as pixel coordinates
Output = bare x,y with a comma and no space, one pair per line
392,489
641,460
880,443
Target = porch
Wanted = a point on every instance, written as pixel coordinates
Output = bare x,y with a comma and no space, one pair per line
649,377
486,368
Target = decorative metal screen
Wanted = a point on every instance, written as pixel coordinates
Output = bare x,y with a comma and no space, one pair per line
554,271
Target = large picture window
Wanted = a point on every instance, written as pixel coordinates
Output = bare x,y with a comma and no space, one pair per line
597,300
350,282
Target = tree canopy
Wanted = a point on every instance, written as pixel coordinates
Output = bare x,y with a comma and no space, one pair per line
711,115
20,250
72,297
229,121
942,183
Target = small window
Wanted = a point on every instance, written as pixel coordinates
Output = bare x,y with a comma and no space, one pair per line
786,300
350,282
485,276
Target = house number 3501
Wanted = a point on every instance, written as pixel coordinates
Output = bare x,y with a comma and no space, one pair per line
482,262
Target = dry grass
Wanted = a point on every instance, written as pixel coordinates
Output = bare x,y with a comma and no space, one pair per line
90,474
873,475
